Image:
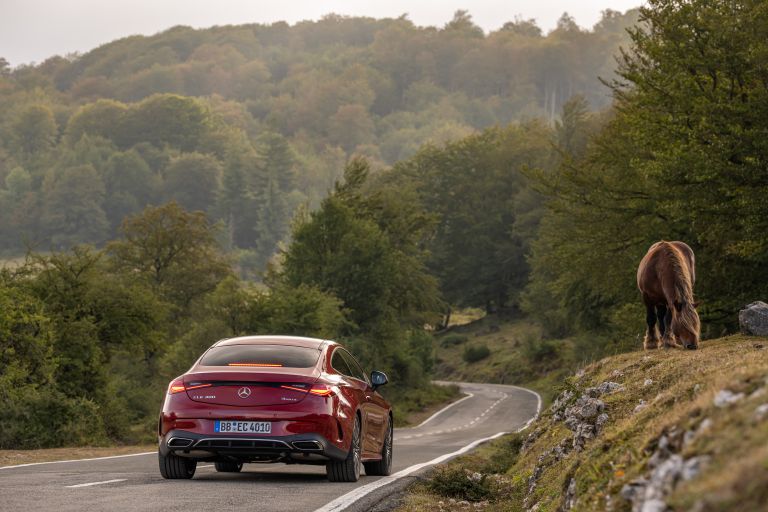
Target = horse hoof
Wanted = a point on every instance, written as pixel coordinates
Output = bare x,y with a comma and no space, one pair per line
691,347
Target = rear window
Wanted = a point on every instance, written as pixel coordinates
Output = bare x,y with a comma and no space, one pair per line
261,356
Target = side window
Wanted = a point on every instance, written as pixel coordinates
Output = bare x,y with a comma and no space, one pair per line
357,371
339,363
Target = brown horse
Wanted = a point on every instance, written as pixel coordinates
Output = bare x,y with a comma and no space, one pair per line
666,276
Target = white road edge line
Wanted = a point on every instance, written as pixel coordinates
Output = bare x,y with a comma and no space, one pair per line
441,411
348,499
77,460
96,483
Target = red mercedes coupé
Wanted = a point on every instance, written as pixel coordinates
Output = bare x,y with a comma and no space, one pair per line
276,399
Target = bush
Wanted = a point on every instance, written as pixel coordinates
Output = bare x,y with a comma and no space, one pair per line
476,353
451,340
33,419
537,350
505,455
456,482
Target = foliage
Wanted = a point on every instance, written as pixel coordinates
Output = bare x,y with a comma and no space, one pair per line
248,122
455,482
486,213
365,248
26,341
680,158
453,339
475,353
174,251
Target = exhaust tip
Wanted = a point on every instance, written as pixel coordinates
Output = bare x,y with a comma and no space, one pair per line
307,445
179,442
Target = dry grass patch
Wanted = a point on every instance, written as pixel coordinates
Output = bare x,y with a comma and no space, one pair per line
14,457
664,393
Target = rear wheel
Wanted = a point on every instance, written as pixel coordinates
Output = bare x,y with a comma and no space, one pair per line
228,467
174,467
382,467
347,470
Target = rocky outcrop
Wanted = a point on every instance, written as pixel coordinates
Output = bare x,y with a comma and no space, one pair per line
585,416
753,320
666,468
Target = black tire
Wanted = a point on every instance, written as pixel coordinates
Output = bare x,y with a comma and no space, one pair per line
228,467
347,470
382,467
174,467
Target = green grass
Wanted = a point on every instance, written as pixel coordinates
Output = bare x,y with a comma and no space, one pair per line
514,355
680,396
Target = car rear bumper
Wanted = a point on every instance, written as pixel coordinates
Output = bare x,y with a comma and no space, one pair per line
298,448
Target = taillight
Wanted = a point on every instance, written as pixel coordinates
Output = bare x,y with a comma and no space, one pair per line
294,388
198,386
321,390
177,386
257,365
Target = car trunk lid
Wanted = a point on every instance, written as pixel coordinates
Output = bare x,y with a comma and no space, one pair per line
252,387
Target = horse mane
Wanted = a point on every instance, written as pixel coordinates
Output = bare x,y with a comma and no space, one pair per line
686,317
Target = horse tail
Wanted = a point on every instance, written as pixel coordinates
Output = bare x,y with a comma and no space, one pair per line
686,315
682,271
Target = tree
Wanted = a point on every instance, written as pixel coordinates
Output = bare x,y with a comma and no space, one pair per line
33,130
278,160
72,212
173,250
366,250
130,185
192,180
181,122
472,186
26,340
350,126
103,118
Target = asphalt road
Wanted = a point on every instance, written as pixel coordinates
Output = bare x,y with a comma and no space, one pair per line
134,483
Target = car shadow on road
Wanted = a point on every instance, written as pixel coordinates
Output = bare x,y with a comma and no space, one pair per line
263,476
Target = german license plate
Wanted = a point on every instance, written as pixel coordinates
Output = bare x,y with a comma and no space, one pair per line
244,427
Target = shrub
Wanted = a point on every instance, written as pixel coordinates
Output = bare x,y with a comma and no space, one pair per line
475,353
35,419
505,455
453,481
537,350
453,339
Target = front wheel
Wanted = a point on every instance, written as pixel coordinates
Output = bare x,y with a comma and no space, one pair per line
347,470
228,467
174,467
382,467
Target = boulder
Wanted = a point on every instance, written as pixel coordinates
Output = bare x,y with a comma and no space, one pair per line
753,320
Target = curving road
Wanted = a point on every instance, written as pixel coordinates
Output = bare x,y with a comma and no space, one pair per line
130,483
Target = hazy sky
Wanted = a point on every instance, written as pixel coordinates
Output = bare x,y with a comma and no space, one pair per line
32,30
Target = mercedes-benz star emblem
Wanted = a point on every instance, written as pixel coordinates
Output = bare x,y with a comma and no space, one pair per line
244,392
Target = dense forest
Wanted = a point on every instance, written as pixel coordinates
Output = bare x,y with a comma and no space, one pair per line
360,179
247,123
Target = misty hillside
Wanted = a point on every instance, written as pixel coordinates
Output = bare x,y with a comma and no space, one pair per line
255,120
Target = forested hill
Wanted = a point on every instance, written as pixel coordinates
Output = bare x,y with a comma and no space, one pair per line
248,122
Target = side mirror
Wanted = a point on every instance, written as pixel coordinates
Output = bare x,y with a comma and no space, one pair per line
378,379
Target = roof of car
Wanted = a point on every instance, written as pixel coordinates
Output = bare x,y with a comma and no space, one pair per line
296,341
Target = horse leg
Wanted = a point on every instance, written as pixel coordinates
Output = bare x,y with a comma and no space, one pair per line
651,340
669,340
661,313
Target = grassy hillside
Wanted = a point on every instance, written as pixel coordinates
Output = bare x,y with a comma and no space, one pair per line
516,354
684,430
